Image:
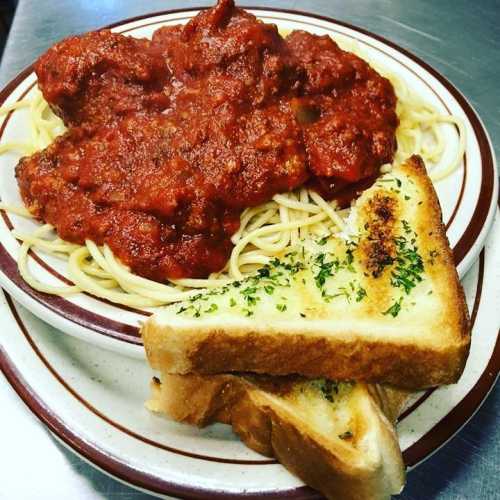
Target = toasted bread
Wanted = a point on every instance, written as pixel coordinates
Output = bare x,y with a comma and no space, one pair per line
333,436
380,303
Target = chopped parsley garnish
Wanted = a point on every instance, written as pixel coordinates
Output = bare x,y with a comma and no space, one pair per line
324,269
406,226
360,294
213,307
394,309
263,272
407,268
328,388
409,264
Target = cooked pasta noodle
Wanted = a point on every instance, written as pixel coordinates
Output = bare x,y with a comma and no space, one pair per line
265,231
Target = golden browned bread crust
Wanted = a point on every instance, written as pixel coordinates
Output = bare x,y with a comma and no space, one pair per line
425,345
368,466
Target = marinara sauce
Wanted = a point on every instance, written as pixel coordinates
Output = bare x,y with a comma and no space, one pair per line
170,139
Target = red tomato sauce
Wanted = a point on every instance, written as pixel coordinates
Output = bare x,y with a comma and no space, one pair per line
170,139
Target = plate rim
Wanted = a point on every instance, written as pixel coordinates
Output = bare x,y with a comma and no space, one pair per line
466,250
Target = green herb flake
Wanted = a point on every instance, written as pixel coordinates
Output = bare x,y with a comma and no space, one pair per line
322,241
281,307
329,389
213,307
181,310
409,264
394,309
263,272
325,269
232,302
406,226
360,294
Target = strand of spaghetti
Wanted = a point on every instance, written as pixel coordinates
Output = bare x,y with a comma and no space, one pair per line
46,245
262,219
22,263
294,233
201,283
123,275
233,268
438,150
7,108
140,285
96,254
257,258
97,272
18,210
460,152
283,239
164,297
43,135
328,209
35,136
304,199
91,286
296,205
247,215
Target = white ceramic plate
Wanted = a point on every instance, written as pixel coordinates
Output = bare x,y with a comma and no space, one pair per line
467,197
92,400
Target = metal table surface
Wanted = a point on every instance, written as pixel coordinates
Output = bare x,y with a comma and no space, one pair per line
459,38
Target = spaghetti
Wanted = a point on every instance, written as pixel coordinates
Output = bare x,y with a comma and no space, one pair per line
265,231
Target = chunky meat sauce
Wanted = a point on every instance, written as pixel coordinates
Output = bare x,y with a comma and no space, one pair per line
170,139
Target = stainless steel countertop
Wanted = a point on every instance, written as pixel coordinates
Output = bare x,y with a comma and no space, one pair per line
461,39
